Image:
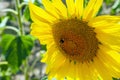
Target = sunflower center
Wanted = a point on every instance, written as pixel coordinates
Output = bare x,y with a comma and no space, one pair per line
75,39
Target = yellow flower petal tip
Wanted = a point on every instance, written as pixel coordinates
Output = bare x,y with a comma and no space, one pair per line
80,45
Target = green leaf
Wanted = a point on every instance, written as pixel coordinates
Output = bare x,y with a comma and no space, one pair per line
3,67
108,1
43,47
17,51
116,4
27,13
115,9
115,79
5,42
4,21
86,3
44,78
38,3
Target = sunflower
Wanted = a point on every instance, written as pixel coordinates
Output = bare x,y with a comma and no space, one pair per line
80,46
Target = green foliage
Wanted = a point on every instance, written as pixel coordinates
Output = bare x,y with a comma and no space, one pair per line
26,13
45,78
116,7
43,47
5,42
37,2
115,79
108,1
3,67
3,23
113,6
16,49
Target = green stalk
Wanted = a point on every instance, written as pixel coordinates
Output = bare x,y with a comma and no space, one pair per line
19,16
3,63
26,70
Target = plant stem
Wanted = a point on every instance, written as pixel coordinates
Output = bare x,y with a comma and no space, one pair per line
14,29
19,16
3,63
10,10
34,63
26,70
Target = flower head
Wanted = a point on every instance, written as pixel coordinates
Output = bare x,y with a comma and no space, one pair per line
80,46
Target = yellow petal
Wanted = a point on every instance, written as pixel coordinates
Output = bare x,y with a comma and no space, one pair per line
86,73
114,54
71,71
109,27
79,8
59,59
104,22
48,57
101,69
39,15
80,72
50,8
92,9
111,65
106,38
50,51
60,7
71,7
62,69
94,74
43,33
